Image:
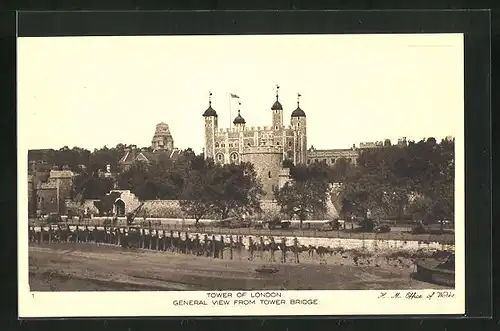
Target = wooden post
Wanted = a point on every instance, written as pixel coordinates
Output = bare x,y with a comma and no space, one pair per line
119,235
157,240
86,233
187,242
172,239
283,251
163,240
197,244
40,238
250,247
213,245
261,246
273,245
206,245
231,247
50,234
222,245
77,235
296,249
105,236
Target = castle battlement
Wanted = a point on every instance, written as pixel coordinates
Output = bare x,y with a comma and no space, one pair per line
253,129
262,150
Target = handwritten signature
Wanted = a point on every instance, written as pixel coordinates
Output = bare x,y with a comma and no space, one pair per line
412,295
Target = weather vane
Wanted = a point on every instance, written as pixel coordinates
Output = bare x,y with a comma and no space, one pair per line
298,98
277,90
210,97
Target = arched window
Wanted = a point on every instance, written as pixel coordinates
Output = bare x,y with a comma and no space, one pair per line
269,174
289,154
234,157
249,144
289,143
220,157
333,161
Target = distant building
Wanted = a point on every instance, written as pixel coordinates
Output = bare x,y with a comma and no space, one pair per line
351,155
134,154
332,156
48,189
162,138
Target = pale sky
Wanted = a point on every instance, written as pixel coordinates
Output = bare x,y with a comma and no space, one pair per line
96,91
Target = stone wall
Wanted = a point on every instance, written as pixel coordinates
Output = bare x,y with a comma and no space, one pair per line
78,208
169,208
162,208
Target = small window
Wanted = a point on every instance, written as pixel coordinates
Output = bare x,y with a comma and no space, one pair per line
219,157
298,124
308,161
52,200
289,143
269,174
263,143
316,160
276,128
249,144
222,145
278,143
216,144
333,161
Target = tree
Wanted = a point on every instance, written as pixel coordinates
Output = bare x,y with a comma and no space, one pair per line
235,189
307,193
196,197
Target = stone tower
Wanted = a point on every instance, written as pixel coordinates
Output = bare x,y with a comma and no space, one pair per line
299,125
277,112
211,126
162,139
267,162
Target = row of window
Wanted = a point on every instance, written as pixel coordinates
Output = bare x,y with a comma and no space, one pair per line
332,161
52,199
217,145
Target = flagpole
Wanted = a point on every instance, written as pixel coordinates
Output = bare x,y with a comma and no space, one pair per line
230,126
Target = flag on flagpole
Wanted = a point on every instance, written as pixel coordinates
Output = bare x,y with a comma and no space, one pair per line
234,96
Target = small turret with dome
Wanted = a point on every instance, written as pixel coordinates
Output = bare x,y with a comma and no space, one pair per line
298,112
210,112
239,120
277,109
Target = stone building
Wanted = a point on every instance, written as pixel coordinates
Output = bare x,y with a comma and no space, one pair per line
227,145
162,148
331,156
134,154
268,165
162,138
48,189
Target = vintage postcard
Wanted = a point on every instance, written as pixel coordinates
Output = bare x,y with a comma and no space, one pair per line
241,175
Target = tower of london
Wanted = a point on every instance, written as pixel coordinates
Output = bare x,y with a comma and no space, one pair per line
227,145
265,147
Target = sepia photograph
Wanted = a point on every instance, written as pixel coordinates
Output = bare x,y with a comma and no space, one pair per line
247,171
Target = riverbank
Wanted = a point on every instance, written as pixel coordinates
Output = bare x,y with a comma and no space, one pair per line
92,267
